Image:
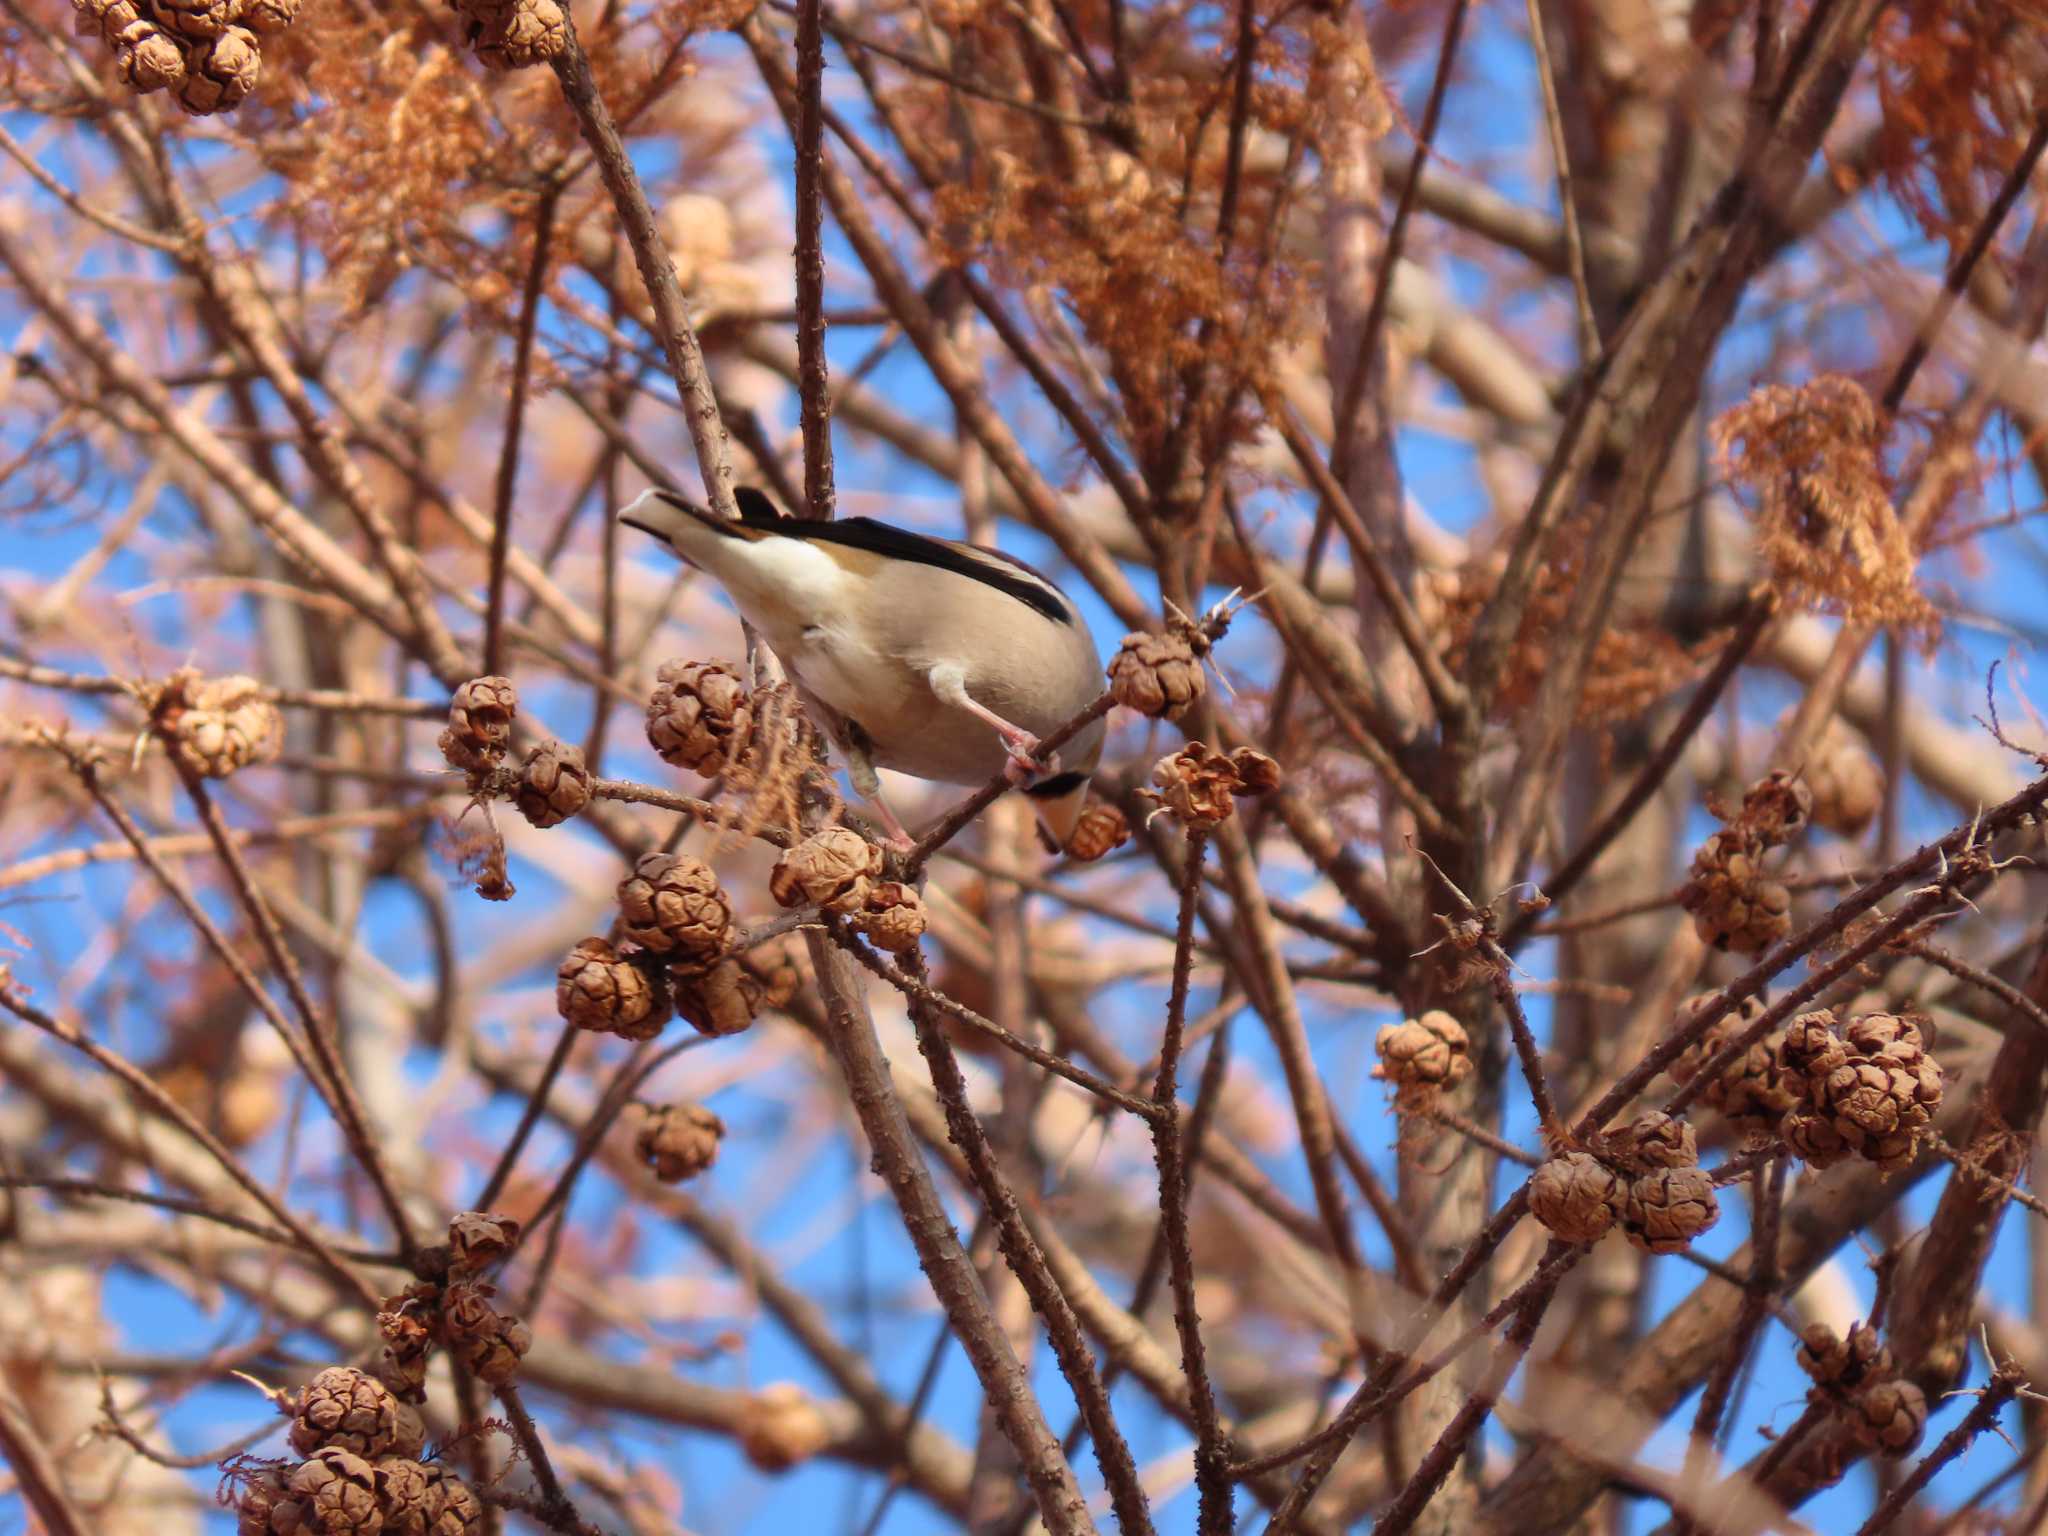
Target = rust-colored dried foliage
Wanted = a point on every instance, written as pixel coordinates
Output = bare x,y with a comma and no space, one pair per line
1959,84
1810,458
1124,234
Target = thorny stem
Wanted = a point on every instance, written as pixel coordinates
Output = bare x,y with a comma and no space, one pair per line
2005,1384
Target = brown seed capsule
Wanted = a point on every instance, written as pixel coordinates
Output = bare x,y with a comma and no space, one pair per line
672,905
892,917
596,989
1101,830
700,716
254,1495
679,1141
1845,780
408,1343
830,869
411,1438
1813,1138
1732,905
1197,784
1890,1416
1421,1057
266,18
477,1240
717,999
215,726
336,1491
347,1408
220,72
1665,1209
195,21
1257,774
1652,1141
147,60
775,965
1811,1049
1576,1196
1157,675
1752,1092
1845,1363
1776,808
554,784
490,1343
780,1426
520,34
480,719
408,1501
456,1509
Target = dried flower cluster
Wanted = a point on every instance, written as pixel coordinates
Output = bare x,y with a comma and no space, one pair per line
1811,458
833,869
1200,785
678,1141
514,34
1160,674
206,53
554,784
1753,1092
1859,1383
1845,780
699,716
1101,830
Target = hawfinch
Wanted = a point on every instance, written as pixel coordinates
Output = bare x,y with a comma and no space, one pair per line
935,658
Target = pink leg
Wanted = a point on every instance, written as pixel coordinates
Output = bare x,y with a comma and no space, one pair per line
949,684
901,839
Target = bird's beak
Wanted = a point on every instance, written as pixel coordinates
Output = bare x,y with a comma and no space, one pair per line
1059,814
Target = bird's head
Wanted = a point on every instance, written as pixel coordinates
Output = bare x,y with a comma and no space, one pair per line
1061,796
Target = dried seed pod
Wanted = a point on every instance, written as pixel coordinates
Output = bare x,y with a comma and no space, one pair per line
1576,1196
1811,1049
679,1141
490,1343
408,1343
554,784
477,1240
1846,1364
195,21
892,917
597,989
776,967
1159,675
1422,1057
1666,1208
1901,1036
336,1491
1776,808
215,726
1845,780
672,905
408,1501
147,59
411,1438
1753,1091
780,1426
1257,774
1889,1416
347,1408
255,1495
456,1509
1101,830
830,869
520,34
1652,1141
267,18
699,716
480,719
220,72
1812,1137
1197,784
718,999
1732,905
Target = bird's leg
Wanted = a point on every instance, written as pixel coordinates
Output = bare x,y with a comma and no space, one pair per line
860,768
1023,765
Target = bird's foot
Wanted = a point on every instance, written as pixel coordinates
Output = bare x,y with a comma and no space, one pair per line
1024,764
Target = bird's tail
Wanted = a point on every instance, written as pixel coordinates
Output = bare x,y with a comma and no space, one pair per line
695,533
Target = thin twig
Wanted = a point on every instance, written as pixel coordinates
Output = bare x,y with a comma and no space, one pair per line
515,422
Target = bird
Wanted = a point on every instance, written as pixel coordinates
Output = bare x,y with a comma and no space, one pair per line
942,660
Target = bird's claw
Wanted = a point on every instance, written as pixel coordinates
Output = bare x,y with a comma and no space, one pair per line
1020,769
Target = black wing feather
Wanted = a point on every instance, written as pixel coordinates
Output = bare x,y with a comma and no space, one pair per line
891,543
